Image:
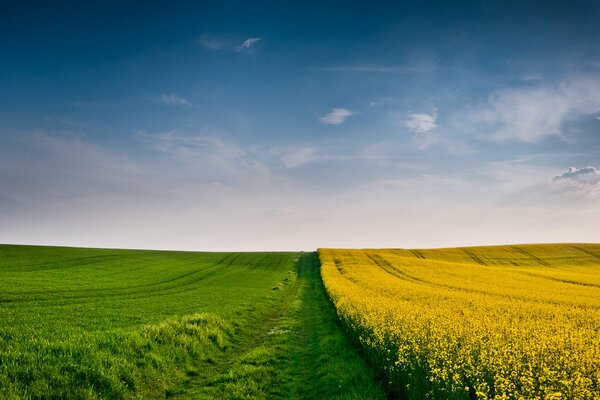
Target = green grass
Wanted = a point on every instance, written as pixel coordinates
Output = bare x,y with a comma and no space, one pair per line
113,324
294,350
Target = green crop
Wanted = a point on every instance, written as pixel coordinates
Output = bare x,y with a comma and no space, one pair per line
124,324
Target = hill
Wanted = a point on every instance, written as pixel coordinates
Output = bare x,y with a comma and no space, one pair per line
114,324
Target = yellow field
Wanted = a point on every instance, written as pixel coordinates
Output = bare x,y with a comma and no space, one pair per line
503,322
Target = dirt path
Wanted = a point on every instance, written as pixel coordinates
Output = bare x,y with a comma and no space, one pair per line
294,349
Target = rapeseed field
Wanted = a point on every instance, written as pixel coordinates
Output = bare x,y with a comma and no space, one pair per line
502,322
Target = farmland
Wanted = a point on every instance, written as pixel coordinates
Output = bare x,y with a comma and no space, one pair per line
119,324
502,322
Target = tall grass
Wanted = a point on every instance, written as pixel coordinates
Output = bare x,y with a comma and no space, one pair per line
115,324
141,363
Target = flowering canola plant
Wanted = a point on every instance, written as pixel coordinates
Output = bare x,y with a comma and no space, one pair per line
500,322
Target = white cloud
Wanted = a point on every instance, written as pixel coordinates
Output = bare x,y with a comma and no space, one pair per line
583,182
247,44
531,114
212,43
329,153
298,157
211,157
576,187
73,192
185,148
174,100
64,167
181,145
587,174
532,77
336,116
420,123
392,69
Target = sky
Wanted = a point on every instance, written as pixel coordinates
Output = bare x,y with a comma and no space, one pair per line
298,125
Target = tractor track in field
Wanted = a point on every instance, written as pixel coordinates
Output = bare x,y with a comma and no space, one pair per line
280,354
205,386
174,285
389,268
585,251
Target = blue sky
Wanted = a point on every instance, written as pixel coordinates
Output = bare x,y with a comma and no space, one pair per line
296,125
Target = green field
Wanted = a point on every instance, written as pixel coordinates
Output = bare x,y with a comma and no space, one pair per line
111,324
497,322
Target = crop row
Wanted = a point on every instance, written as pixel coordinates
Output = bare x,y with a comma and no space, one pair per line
517,322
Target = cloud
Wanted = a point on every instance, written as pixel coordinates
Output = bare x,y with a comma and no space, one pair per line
579,186
532,77
184,145
41,169
174,100
247,44
66,190
336,116
420,123
298,157
389,69
70,191
209,156
534,113
587,175
212,43
332,154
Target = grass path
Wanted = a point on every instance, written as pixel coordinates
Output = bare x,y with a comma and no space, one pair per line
293,349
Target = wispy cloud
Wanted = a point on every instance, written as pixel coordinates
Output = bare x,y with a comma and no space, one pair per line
66,190
213,43
58,168
372,68
247,44
298,157
217,43
533,77
531,114
174,100
211,155
74,192
420,123
185,145
337,116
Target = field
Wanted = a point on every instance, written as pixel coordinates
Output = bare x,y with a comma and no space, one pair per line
503,322
119,324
